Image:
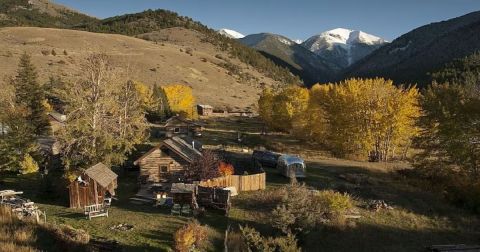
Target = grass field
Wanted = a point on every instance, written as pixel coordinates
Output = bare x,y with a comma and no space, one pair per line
419,218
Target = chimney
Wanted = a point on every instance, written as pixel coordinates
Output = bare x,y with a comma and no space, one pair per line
193,144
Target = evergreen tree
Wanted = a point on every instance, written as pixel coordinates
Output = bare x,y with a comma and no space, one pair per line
29,94
162,107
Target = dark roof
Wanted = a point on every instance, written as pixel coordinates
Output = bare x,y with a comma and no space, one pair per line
102,174
176,120
182,148
178,145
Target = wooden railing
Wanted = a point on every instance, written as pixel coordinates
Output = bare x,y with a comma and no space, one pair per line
242,183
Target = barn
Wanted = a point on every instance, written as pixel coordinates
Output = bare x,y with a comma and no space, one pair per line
166,162
92,187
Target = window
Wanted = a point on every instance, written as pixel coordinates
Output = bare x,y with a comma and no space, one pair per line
176,130
163,169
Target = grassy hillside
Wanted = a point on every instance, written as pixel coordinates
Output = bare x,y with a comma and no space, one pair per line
41,13
184,58
155,20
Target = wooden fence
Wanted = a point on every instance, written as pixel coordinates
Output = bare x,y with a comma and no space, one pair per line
242,183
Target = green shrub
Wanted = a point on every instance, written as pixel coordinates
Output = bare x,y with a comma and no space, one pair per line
256,242
302,209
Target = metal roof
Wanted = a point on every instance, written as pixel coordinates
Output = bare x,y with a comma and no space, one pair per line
290,159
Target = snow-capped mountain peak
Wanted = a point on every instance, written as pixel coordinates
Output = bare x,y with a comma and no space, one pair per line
343,46
298,41
231,33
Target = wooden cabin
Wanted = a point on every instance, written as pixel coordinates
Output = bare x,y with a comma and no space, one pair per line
166,163
92,187
179,126
204,110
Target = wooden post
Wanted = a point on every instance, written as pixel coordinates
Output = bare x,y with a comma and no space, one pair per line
78,196
95,191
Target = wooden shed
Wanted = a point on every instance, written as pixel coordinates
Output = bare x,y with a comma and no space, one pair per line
179,126
166,163
204,110
93,186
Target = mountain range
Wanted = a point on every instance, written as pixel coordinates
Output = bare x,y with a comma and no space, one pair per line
266,58
320,58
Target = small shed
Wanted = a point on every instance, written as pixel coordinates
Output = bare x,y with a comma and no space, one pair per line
204,110
93,186
183,193
179,126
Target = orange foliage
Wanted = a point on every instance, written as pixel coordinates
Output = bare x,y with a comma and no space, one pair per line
226,169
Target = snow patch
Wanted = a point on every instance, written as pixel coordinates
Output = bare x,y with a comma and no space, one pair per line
231,33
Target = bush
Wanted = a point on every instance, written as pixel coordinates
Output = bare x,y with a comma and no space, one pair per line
301,209
191,237
54,53
28,165
256,242
225,169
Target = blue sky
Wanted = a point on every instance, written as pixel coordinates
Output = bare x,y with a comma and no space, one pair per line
298,19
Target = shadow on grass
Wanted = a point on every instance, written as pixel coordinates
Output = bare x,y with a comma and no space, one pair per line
371,238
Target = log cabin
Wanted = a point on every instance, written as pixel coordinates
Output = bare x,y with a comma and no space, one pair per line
179,126
167,162
93,186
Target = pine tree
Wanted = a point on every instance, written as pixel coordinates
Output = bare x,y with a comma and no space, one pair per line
29,94
162,107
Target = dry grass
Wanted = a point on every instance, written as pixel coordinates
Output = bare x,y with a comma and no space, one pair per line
23,235
211,83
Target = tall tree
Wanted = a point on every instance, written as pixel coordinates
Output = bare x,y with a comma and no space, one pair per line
16,137
162,108
30,94
105,118
181,100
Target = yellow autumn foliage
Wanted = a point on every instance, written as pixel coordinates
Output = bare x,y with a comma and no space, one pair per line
357,117
146,95
28,165
181,100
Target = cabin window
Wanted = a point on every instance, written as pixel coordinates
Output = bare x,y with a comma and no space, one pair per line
176,130
163,168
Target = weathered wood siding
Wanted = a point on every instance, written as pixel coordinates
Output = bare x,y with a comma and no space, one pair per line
89,194
242,183
150,165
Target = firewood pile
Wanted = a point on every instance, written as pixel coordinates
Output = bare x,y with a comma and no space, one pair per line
122,227
377,205
23,208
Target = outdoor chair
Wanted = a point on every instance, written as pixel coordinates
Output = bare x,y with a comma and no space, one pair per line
176,209
186,210
161,202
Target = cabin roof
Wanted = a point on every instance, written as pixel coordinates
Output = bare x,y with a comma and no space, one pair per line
181,147
289,159
205,106
102,174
